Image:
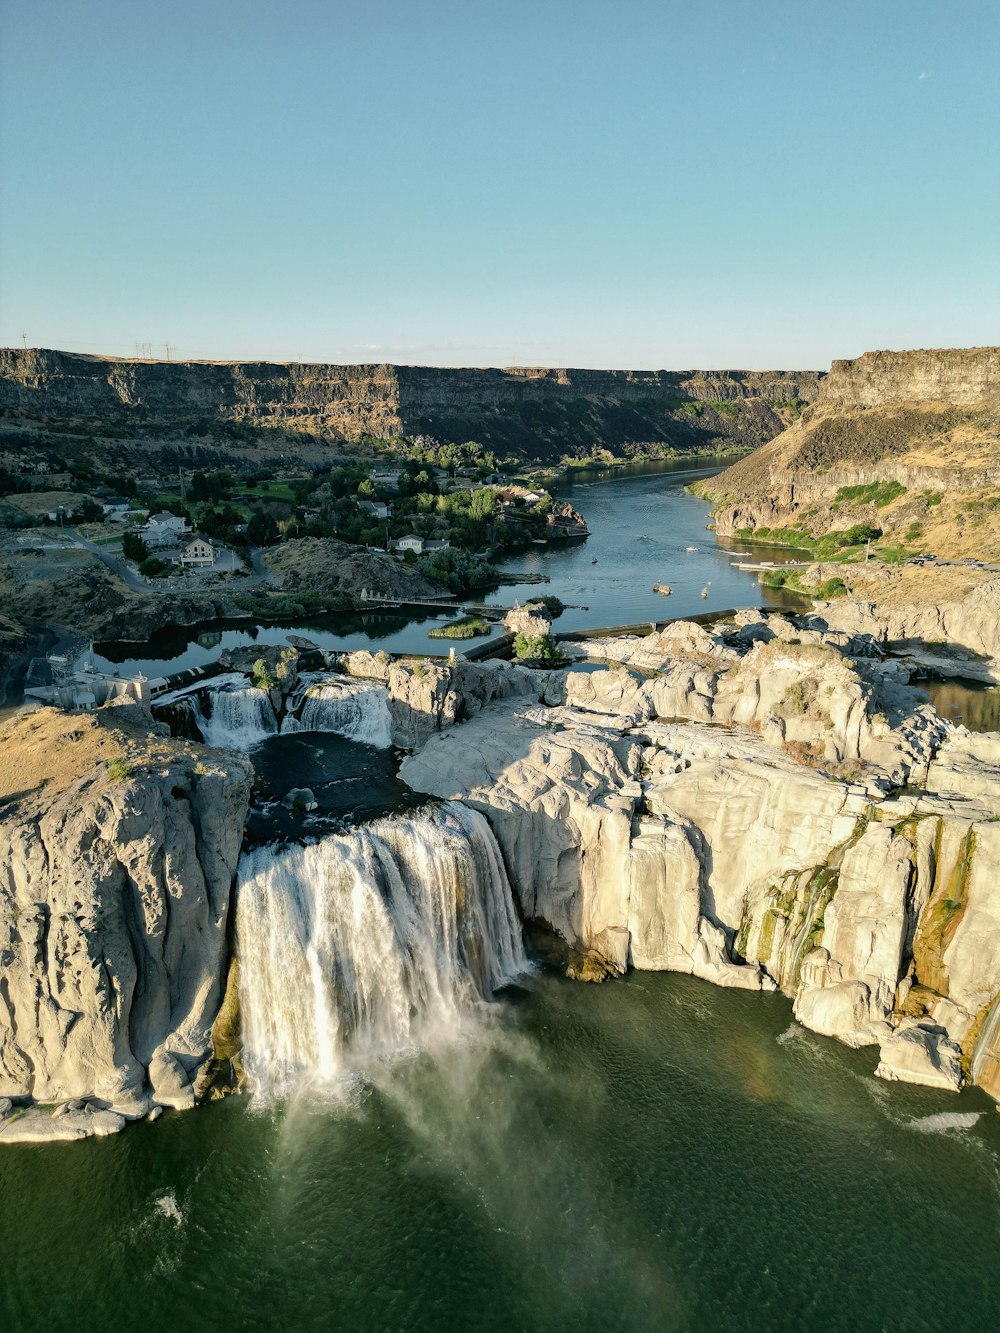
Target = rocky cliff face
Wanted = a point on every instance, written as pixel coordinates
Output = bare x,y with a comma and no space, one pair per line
429,697
114,900
736,852
960,376
906,442
538,412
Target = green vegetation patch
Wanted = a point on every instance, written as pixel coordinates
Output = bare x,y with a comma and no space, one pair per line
468,627
878,493
541,648
792,579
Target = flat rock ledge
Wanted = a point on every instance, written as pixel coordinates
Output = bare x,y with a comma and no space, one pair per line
35,1125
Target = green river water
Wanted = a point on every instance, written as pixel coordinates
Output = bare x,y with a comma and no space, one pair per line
650,1154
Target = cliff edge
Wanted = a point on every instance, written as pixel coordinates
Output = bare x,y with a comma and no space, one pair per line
530,412
117,854
904,444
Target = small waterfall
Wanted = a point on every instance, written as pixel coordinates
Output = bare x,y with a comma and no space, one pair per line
357,947
355,709
238,718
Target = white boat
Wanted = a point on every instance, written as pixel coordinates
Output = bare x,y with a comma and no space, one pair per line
690,548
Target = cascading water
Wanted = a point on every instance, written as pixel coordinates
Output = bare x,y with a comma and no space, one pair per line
360,946
238,718
355,709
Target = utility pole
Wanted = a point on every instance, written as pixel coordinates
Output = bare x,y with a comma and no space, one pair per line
180,473
169,349
24,339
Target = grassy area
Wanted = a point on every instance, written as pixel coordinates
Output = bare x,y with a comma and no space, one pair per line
793,581
878,493
469,627
831,545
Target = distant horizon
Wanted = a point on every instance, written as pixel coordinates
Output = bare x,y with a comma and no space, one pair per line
521,366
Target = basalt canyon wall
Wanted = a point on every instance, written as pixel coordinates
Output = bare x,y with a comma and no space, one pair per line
537,412
924,426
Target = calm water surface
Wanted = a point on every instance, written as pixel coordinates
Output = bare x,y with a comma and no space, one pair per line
651,1154
641,521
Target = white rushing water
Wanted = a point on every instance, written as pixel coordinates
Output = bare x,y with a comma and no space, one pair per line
356,709
368,944
238,718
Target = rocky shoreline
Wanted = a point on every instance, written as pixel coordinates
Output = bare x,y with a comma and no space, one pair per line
761,805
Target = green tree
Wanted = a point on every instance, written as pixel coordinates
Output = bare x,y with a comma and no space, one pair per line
134,548
483,504
262,529
536,648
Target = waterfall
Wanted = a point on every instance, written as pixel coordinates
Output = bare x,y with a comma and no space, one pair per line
362,945
356,709
238,718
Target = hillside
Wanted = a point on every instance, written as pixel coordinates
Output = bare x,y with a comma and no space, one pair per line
68,401
905,444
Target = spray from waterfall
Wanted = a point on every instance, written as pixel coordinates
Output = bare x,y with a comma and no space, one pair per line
366,945
356,709
237,718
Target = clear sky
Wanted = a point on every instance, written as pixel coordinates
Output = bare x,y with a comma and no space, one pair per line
639,183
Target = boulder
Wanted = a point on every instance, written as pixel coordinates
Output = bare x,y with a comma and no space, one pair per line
921,1053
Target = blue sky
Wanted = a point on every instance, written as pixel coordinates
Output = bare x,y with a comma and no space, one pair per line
635,184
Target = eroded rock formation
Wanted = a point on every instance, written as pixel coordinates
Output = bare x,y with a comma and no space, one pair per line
536,411
115,878
737,853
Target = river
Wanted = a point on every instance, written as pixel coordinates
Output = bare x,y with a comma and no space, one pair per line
641,522
652,1154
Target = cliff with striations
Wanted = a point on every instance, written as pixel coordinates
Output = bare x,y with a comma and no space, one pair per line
905,442
828,835
535,412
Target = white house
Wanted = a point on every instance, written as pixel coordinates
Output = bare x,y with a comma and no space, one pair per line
376,508
165,530
198,552
419,544
116,511
410,543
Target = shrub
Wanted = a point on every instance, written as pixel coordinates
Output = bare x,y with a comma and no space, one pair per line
119,769
554,605
536,648
262,677
795,699
878,493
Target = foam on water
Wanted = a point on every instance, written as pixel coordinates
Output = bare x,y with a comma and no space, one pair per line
355,709
945,1122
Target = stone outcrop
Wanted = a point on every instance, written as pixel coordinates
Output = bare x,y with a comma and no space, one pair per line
925,425
825,697
426,697
324,564
953,375
535,411
873,906
957,636
115,878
